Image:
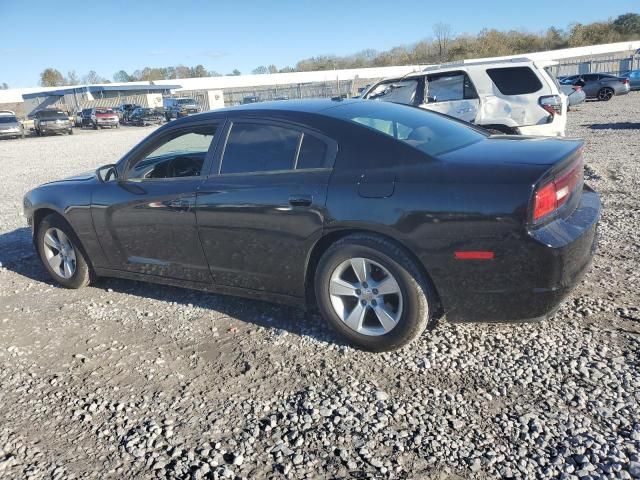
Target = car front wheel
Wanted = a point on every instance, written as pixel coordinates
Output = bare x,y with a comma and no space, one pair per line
605,94
372,292
58,248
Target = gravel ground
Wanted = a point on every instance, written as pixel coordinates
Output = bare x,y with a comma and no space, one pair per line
124,379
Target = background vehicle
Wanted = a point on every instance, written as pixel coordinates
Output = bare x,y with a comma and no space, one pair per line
602,86
634,78
10,126
102,117
125,110
575,94
180,107
77,119
514,97
52,121
251,99
146,116
385,215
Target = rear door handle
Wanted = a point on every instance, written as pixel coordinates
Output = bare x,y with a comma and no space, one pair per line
300,200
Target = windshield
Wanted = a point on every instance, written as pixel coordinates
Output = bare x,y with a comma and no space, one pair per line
429,132
8,119
52,114
184,101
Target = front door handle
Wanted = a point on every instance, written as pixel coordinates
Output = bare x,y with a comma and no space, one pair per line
300,200
178,204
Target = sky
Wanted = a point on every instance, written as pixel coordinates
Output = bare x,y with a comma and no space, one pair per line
110,35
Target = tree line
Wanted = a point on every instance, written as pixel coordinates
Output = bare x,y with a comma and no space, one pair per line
441,46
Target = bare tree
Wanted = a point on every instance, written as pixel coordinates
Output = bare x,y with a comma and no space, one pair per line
442,36
72,78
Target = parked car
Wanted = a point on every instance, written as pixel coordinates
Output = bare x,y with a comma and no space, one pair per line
102,117
634,78
574,93
180,107
52,121
146,116
77,119
125,110
251,99
513,97
601,86
383,215
10,126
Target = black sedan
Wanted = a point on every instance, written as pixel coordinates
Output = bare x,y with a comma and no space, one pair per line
384,216
146,116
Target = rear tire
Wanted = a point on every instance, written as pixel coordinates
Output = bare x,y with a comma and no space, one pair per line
386,311
58,247
605,94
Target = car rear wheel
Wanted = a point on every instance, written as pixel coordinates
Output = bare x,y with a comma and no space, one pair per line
605,94
58,248
370,291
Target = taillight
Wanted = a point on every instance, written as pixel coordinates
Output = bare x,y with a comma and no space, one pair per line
552,104
552,195
577,88
625,81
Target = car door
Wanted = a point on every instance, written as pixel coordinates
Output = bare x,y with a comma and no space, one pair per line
263,208
453,94
146,218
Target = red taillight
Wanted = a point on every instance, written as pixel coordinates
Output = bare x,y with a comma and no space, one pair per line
552,104
577,88
626,81
554,194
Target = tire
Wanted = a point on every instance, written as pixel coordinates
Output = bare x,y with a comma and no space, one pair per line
53,224
605,94
95,126
71,131
117,125
410,306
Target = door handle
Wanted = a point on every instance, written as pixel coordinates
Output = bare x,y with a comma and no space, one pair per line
178,204
300,200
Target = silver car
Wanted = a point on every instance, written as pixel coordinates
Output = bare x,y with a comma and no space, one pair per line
10,126
575,94
601,86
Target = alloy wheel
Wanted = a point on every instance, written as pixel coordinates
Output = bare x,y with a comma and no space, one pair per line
365,296
59,252
605,94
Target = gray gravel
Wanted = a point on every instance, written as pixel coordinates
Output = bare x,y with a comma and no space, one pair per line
124,379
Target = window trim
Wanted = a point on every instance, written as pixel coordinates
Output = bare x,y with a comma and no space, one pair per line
150,143
332,147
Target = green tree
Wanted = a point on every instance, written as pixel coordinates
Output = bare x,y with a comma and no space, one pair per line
121,76
199,71
628,24
50,77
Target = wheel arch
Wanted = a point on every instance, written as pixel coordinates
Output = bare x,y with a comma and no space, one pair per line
324,242
42,212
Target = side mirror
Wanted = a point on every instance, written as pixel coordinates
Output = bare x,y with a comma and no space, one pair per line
107,173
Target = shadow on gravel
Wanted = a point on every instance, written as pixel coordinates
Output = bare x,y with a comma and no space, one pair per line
614,126
18,255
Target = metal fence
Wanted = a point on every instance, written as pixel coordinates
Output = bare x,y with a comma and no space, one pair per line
602,65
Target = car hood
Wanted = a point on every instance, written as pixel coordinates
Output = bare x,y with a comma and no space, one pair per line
81,177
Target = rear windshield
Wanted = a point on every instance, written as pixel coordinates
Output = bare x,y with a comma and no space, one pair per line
8,119
429,132
515,80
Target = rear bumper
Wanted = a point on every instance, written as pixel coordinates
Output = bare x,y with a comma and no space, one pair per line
553,261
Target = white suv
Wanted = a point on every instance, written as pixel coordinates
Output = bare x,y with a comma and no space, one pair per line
511,96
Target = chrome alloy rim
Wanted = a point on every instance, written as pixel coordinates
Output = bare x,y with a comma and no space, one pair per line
59,252
365,296
605,94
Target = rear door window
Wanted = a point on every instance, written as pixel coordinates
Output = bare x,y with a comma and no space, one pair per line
253,147
515,80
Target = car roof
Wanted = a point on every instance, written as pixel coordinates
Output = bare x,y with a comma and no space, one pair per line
312,106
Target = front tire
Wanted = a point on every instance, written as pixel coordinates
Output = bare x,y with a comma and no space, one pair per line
371,292
58,249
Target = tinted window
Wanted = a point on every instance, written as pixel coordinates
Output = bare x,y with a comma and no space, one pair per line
515,80
427,131
8,119
181,154
259,148
313,153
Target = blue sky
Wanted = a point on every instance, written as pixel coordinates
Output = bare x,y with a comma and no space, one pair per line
110,35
